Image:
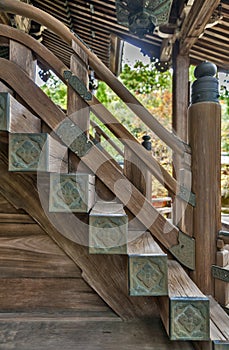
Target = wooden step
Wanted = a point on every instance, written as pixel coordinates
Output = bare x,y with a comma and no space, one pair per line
185,312
71,193
221,272
219,329
108,226
147,265
36,152
15,118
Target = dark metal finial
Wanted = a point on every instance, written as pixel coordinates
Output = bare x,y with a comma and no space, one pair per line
206,87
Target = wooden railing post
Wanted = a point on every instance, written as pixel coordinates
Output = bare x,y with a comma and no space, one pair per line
204,137
136,171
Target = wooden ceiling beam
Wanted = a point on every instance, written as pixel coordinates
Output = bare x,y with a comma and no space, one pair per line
201,56
195,23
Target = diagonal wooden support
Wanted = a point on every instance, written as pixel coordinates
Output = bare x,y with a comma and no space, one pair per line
159,227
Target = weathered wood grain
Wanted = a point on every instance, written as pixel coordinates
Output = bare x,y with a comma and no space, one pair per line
15,218
204,137
15,118
26,251
8,208
137,173
106,275
26,333
27,294
23,56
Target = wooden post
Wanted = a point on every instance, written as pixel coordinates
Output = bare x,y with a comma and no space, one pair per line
135,170
204,137
78,110
182,214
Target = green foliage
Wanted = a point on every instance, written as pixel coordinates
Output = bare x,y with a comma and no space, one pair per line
56,91
145,78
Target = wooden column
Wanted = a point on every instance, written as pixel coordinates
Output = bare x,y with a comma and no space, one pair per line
180,94
204,137
182,214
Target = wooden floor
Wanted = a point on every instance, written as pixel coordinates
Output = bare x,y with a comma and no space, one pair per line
69,332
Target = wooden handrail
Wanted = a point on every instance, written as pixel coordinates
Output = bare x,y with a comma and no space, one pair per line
97,108
99,67
107,138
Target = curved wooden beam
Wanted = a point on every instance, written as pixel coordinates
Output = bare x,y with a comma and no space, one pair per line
99,67
97,108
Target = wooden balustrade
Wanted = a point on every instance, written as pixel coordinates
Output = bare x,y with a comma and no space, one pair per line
100,132
97,108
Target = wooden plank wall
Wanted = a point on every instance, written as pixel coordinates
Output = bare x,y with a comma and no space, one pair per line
35,274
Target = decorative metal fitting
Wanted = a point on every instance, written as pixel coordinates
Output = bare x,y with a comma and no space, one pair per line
220,273
206,87
184,251
187,196
77,85
146,142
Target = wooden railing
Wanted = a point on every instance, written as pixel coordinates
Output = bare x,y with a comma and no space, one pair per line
53,117
101,70
98,109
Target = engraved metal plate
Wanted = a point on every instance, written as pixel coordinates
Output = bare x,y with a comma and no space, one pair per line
108,235
77,85
187,196
148,275
74,137
221,345
4,111
71,193
189,319
220,273
28,152
185,250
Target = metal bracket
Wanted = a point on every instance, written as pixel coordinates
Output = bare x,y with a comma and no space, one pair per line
187,195
221,345
185,250
220,273
74,137
77,85
4,110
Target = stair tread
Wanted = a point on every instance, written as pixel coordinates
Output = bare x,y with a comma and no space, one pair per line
180,284
142,244
107,208
220,319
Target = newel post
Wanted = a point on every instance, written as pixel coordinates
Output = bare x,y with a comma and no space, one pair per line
204,118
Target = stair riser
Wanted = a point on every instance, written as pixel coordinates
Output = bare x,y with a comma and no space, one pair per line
148,276
36,152
71,193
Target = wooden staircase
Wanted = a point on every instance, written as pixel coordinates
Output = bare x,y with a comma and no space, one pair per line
150,247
